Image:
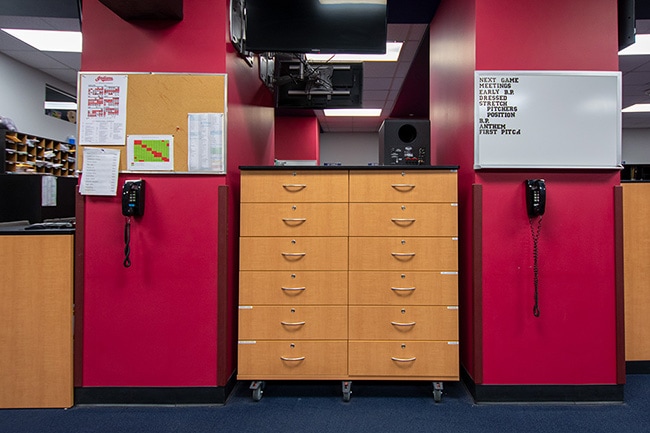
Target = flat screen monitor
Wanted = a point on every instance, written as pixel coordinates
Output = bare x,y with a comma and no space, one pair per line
315,26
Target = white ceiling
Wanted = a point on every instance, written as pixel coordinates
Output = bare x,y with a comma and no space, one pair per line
382,80
63,66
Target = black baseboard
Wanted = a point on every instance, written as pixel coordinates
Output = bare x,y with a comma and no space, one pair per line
637,367
543,393
154,395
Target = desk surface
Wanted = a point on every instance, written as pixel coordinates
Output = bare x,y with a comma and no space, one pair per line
24,228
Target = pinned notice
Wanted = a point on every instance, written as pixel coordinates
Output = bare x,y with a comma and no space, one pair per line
100,171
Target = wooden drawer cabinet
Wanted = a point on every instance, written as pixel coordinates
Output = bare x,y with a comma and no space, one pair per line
348,274
292,359
298,322
299,219
299,253
403,288
410,219
395,359
294,288
294,186
403,254
396,186
403,323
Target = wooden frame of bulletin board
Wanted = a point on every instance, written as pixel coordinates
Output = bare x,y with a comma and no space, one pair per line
159,104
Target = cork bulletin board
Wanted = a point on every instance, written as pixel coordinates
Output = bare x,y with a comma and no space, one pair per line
159,104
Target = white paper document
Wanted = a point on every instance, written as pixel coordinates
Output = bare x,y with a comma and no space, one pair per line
48,191
102,110
100,171
205,142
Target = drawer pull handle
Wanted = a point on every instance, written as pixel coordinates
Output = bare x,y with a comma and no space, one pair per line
402,323
294,186
293,323
284,358
403,289
402,254
403,220
401,186
403,359
294,254
294,220
292,289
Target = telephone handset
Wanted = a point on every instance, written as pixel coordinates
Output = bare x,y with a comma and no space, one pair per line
132,205
133,198
536,206
535,197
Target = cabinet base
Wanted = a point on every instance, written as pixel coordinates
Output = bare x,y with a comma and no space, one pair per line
543,393
154,395
637,367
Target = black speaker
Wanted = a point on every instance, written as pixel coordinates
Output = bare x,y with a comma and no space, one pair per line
626,23
404,142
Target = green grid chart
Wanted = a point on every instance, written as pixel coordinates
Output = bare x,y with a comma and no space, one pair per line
151,150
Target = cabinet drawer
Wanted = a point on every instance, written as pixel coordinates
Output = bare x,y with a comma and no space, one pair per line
403,219
403,254
260,360
293,322
294,219
403,288
432,360
297,288
403,186
293,254
403,323
294,186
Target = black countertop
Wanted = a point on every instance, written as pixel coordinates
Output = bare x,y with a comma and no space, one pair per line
48,228
349,167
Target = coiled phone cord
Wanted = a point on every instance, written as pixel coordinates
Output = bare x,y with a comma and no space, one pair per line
535,234
127,241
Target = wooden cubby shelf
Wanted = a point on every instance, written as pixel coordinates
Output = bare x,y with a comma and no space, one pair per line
27,153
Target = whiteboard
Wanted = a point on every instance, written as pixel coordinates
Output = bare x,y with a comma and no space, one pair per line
547,119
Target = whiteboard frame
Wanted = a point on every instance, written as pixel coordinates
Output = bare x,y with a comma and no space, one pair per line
611,157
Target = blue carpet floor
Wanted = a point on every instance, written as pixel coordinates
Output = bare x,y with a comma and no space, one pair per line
318,407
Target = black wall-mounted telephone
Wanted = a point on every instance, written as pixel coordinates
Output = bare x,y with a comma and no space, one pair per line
535,205
133,198
535,197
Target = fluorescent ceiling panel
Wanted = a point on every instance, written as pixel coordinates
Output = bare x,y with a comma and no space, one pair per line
392,54
352,112
637,108
640,47
49,40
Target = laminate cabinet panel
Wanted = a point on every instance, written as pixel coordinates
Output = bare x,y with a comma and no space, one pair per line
400,288
411,322
403,254
295,288
294,186
636,243
397,186
36,321
293,254
297,322
434,360
294,219
403,219
264,360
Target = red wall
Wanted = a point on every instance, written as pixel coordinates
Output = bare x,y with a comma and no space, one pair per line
574,339
155,324
147,325
451,88
297,138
